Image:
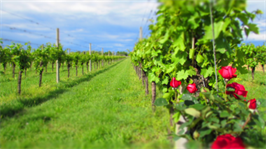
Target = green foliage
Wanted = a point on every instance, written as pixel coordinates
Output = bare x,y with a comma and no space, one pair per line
76,58
5,56
253,54
17,55
160,102
215,116
122,53
180,46
261,54
168,51
41,57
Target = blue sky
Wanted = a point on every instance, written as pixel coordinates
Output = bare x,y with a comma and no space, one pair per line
109,24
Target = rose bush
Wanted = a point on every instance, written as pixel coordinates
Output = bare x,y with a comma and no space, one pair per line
217,115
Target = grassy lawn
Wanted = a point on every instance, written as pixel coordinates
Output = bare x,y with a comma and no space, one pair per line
104,109
30,82
256,88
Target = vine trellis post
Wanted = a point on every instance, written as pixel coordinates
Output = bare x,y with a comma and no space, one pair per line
57,62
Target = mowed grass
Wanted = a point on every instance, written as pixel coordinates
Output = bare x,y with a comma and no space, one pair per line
256,88
106,110
30,82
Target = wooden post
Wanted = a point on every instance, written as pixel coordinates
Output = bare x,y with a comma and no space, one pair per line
57,63
140,34
90,58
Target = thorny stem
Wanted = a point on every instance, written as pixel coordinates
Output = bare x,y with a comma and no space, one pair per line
248,119
226,81
176,96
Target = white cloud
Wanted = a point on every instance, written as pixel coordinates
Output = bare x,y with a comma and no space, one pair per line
253,5
260,37
126,10
260,23
118,45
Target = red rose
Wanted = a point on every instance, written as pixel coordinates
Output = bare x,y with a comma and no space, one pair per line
174,83
239,90
227,141
236,144
252,104
227,72
192,88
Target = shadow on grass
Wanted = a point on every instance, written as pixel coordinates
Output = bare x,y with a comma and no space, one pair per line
12,108
263,83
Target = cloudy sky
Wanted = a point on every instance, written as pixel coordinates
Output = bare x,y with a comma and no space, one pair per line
109,24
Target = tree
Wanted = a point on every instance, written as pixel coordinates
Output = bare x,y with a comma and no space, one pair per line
30,57
41,58
69,60
251,55
14,51
82,61
5,56
88,57
21,58
76,59
261,56
122,53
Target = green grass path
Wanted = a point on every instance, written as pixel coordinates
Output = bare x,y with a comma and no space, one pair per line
110,110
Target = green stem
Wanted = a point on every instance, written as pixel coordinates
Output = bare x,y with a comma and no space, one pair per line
225,91
176,96
248,119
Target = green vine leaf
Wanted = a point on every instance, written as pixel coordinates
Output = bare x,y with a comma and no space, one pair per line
193,112
160,102
207,72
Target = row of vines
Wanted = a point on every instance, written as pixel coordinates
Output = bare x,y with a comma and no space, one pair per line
26,58
254,56
207,109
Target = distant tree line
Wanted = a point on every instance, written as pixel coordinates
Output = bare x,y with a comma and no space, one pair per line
121,53
118,53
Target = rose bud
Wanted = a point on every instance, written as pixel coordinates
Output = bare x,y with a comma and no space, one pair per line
239,90
174,83
192,88
196,135
227,72
252,104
